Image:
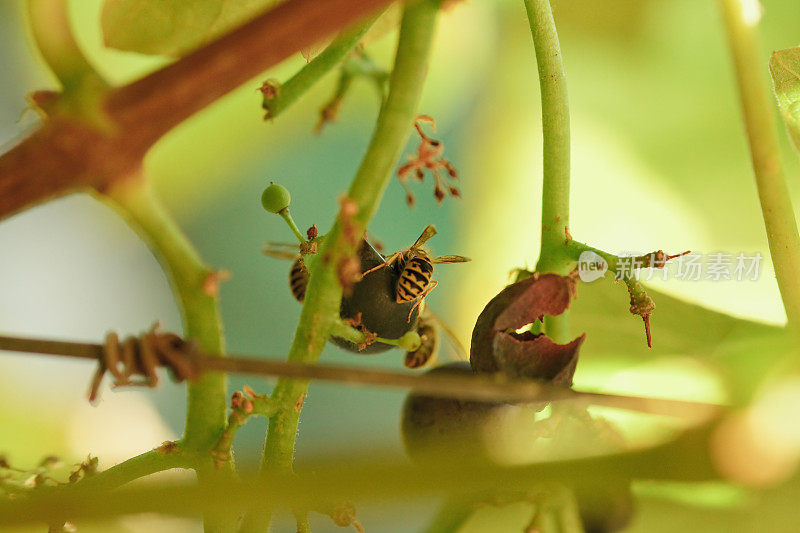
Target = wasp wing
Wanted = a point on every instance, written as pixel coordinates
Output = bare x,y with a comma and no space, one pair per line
270,244
279,254
280,250
451,259
427,233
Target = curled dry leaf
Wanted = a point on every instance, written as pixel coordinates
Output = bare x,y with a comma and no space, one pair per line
536,356
497,347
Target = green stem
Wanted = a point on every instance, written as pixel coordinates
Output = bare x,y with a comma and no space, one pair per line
398,114
687,459
310,74
188,274
222,450
260,406
556,152
206,403
625,269
135,468
323,296
83,89
345,331
303,526
622,266
287,217
356,65
453,514
568,513
773,192
264,407
10,487
51,29
575,248
556,511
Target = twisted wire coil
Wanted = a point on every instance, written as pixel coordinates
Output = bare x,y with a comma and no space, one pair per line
141,356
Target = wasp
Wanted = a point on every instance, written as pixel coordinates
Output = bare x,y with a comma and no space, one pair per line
429,344
298,279
428,328
298,274
415,281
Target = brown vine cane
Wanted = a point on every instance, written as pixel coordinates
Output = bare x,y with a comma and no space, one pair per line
141,356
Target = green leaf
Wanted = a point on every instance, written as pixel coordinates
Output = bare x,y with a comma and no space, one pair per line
785,69
679,327
744,353
173,27
773,509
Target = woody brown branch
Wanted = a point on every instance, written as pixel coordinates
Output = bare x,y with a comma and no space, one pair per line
67,154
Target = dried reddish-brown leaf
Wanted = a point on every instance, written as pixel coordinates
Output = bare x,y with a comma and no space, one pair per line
537,357
496,347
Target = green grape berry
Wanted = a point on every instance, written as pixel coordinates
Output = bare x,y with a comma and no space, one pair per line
437,430
275,198
410,342
374,300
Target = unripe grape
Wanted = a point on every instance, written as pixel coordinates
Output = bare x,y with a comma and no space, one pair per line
437,430
605,507
410,342
374,297
275,198
446,429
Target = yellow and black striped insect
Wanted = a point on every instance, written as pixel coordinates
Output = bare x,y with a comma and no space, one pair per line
429,344
298,274
417,268
428,327
298,279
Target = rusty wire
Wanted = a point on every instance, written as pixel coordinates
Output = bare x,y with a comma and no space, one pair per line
141,356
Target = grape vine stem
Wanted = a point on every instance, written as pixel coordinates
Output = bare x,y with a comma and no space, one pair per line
306,77
556,153
207,396
687,458
323,296
760,125
68,154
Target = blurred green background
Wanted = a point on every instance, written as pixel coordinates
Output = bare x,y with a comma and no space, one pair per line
659,162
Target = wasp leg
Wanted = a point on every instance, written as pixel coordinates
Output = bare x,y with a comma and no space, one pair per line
459,348
422,296
392,258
